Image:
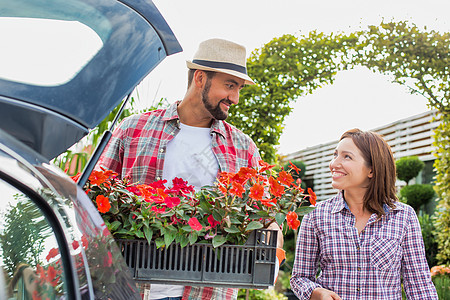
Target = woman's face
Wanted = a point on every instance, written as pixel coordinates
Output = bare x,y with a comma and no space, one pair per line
349,170
29,277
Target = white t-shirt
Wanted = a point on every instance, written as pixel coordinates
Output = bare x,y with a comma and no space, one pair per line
189,156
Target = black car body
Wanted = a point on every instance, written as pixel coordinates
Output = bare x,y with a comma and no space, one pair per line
53,242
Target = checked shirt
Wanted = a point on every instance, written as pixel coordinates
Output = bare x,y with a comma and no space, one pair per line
368,265
137,149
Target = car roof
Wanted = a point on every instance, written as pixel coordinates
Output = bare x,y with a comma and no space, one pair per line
49,115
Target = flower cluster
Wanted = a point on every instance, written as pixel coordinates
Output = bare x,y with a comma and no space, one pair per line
224,213
440,270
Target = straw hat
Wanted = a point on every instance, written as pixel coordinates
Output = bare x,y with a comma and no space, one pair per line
223,56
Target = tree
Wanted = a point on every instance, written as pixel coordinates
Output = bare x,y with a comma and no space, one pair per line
417,195
408,167
285,69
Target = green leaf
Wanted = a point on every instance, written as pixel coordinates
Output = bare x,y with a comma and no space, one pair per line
303,210
216,215
232,229
218,240
254,225
114,225
148,234
279,217
168,238
159,242
183,240
193,237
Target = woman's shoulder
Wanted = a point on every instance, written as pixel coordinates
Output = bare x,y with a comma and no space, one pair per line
328,205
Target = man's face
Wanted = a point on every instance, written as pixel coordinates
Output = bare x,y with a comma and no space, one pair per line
220,92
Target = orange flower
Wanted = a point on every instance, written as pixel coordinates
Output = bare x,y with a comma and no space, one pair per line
285,178
237,189
312,196
195,224
292,220
103,204
298,185
275,188
256,191
98,177
294,167
264,166
269,202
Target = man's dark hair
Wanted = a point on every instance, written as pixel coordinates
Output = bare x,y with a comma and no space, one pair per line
209,75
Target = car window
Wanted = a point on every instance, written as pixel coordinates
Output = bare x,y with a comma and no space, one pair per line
29,254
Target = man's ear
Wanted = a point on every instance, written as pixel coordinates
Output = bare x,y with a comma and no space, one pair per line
199,78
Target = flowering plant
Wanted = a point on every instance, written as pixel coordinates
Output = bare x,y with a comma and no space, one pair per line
224,213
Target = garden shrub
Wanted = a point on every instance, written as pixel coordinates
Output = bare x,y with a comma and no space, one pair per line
417,194
426,223
408,167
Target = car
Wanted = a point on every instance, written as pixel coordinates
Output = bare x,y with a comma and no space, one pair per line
66,64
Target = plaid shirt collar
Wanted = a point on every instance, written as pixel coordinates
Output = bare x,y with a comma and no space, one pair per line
340,204
171,114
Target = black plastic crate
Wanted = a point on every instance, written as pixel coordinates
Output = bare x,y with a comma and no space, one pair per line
242,266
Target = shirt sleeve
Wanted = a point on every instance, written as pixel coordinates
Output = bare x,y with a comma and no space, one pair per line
306,260
112,156
415,272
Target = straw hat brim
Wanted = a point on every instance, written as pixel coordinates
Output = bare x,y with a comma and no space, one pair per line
195,66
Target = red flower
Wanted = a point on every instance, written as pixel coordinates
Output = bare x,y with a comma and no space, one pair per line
195,224
52,253
298,185
256,191
75,245
172,201
134,190
237,189
98,177
76,177
51,276
36,295
107,260
212,221
84,241
292,220
103,204
285,178
312,196
179,186
275,188
160,184
297,170
269,202
158,210
265,166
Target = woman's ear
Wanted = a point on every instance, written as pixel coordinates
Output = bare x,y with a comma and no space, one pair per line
370,173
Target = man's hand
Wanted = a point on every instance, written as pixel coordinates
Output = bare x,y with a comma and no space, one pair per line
324,294
280,238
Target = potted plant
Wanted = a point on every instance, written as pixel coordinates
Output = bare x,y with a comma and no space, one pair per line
217,217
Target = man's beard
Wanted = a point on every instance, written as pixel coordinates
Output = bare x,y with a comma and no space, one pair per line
215,111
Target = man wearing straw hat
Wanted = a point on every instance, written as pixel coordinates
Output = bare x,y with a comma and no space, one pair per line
190,139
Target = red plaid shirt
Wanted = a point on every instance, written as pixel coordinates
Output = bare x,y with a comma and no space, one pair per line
137,149
368,265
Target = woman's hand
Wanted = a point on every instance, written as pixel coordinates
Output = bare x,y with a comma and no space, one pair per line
324,294
280,238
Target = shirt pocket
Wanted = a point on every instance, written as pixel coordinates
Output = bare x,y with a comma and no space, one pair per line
385,254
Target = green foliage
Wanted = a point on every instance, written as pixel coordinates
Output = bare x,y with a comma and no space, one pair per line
301,167
285,69
260,294
442,284
426,223
417,194
22,238
408,167
442,214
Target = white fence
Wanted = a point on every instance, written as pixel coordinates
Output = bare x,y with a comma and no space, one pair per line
410,136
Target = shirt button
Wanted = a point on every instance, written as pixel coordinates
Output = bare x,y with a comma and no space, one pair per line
358,289
158,178
359,269
161,150
357,247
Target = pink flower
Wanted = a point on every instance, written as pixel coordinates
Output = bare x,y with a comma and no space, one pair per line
195,224
172,201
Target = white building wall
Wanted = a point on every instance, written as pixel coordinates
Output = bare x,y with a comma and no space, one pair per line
410,136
